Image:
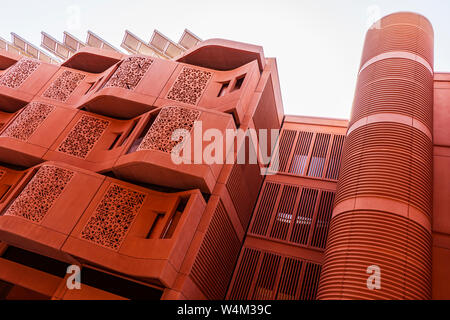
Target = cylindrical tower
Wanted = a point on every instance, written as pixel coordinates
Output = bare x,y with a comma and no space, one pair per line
382,213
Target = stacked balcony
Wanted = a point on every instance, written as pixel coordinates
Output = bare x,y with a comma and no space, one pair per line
87,152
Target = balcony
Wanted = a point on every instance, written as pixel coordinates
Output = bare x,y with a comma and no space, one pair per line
89,59
149,159
137,150
112,224
139,83
129,88
27,134
225,91
94,142
68,86
21,81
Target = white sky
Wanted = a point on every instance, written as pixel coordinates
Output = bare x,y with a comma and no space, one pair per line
317,43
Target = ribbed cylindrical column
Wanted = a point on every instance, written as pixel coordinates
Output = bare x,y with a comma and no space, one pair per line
382,213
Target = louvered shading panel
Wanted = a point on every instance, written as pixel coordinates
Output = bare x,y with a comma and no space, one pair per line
294,214
307,153
263,275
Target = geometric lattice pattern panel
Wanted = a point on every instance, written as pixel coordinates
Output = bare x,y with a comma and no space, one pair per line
40,193
64,85
17,74
112,219
189,86
24,125
129,73
83,136
159,136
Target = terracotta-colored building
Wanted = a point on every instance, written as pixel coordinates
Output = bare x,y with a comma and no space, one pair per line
87,177
391,202
283,251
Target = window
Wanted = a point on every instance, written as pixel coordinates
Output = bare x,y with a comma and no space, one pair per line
319,155
289,280
305,212
223,88
141,136
300,156
299,215
238,83
266,278
284,217
266,205
284,213
305,153
334,164
285,144
324,213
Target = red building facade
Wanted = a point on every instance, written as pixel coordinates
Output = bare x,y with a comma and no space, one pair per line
88,180
383,209
283,252
87,177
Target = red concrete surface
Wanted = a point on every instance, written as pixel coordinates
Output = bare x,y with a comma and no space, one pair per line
383,208
283,251
87,176
441,187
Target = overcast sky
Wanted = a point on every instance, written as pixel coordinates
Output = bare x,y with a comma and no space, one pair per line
317,43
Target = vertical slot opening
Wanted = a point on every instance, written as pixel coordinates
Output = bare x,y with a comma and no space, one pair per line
23,182
238,83
223,89
109,76
127,135
4,189
118,135
141,136
90,87
155,225
173,222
